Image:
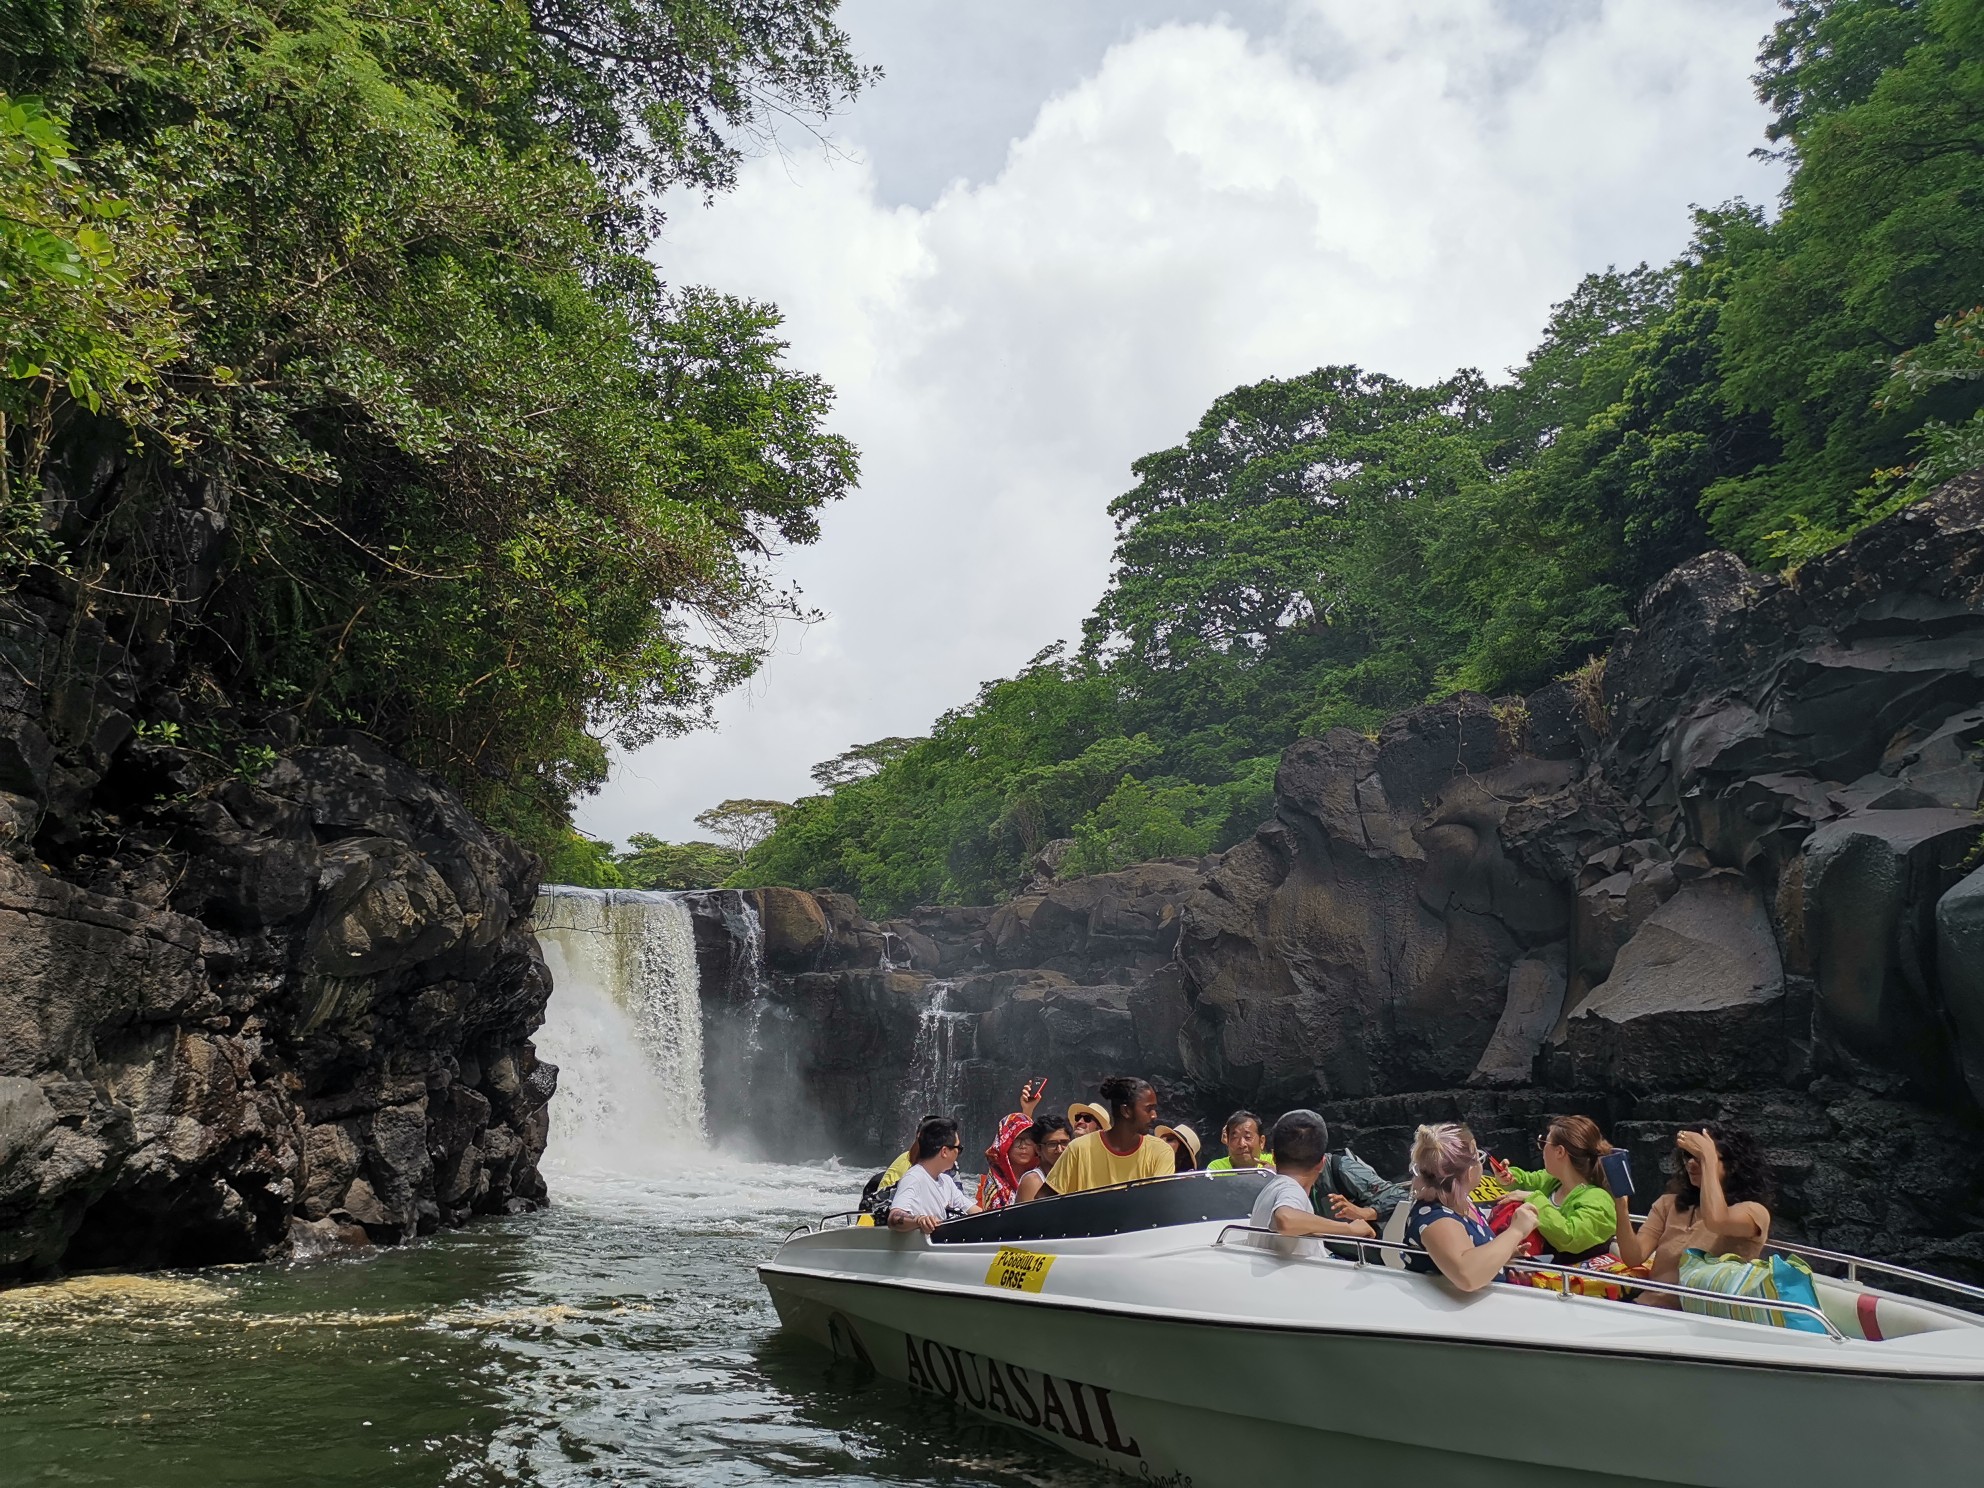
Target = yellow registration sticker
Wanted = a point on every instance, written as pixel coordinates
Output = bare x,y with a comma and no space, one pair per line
1018,1270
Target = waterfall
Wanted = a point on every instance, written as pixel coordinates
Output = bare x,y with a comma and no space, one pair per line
944,1038
624,1027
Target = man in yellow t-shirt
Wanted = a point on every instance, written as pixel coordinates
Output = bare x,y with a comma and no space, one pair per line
1125,1151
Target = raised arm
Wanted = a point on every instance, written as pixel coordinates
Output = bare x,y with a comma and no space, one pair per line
1734,1220
1467,1265
1636,1249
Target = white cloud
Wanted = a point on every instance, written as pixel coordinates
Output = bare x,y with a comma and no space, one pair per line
1408,186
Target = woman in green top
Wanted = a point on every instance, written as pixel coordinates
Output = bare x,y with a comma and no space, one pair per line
1575,1214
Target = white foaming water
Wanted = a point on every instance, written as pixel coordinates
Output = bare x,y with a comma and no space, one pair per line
929,1087
625,1027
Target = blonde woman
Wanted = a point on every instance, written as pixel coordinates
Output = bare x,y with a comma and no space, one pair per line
1444,1224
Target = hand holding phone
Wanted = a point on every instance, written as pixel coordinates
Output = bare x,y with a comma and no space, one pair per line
1618,1169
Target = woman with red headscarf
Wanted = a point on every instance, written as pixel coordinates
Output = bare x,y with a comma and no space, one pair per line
1013,1152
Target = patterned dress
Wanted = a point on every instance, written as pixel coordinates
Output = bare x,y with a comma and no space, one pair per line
1425,1213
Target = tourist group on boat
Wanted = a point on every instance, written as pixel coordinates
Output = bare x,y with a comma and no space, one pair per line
1467,1213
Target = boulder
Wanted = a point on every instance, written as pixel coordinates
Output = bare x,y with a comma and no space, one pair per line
1530,1012
794,927
1695,998
1364,940
1871,884
1107,923
1960,971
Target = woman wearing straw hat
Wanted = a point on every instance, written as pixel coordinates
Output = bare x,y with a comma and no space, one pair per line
1184,1145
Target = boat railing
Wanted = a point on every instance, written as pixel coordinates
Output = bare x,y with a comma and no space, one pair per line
1854,1265
1332,1247
845,1219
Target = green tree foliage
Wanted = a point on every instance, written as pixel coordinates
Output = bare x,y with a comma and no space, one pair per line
495,490
1881,237
740,825
1326,549
650,863
861,761
86,325
575,858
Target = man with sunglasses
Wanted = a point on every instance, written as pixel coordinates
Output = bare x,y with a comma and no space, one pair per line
928,1194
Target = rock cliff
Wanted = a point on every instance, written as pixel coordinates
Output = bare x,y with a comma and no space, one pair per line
1734,872
252,995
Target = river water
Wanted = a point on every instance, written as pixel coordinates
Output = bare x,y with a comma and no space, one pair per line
620,1336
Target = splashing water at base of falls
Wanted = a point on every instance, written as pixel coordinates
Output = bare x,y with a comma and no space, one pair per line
624,1027
620,1335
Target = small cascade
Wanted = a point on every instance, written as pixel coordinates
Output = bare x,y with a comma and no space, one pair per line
624,1026
753,959
945,1038
752,972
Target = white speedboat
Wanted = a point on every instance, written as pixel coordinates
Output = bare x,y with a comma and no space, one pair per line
1150,1329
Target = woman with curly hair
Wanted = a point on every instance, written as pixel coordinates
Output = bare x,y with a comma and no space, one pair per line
1718,1202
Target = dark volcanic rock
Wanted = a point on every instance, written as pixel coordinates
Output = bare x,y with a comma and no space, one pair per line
1872,880
293,1000
1364,939
1960,958
1695,999
1535,1002
1106,924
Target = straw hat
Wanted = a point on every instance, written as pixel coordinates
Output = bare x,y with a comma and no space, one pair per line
1184,1134
1083,1108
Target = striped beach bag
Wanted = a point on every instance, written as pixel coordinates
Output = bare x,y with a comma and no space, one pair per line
1771,1279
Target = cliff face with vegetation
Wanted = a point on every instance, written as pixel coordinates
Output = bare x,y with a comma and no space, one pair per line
358,473
282,1003
1735,875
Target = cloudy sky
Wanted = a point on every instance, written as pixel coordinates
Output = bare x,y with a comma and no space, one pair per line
1059,228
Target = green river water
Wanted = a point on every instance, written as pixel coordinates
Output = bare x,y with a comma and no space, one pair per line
619,1337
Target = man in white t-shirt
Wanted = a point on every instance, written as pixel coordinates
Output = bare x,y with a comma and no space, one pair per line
927,1194
1301,1145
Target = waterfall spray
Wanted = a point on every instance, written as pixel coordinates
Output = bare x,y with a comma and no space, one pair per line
930,1085
625,1025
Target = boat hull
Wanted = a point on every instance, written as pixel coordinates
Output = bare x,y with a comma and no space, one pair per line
1214,1402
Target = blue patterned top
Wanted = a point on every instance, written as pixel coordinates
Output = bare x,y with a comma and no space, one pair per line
1424,1214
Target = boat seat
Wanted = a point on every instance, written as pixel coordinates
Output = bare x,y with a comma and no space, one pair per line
1394,1231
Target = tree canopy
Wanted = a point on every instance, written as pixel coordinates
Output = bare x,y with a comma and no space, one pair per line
367,282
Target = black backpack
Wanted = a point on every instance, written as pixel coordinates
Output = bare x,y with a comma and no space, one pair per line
876,1199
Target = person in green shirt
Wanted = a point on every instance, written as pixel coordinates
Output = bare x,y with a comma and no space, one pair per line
1575,1214
1242,1137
